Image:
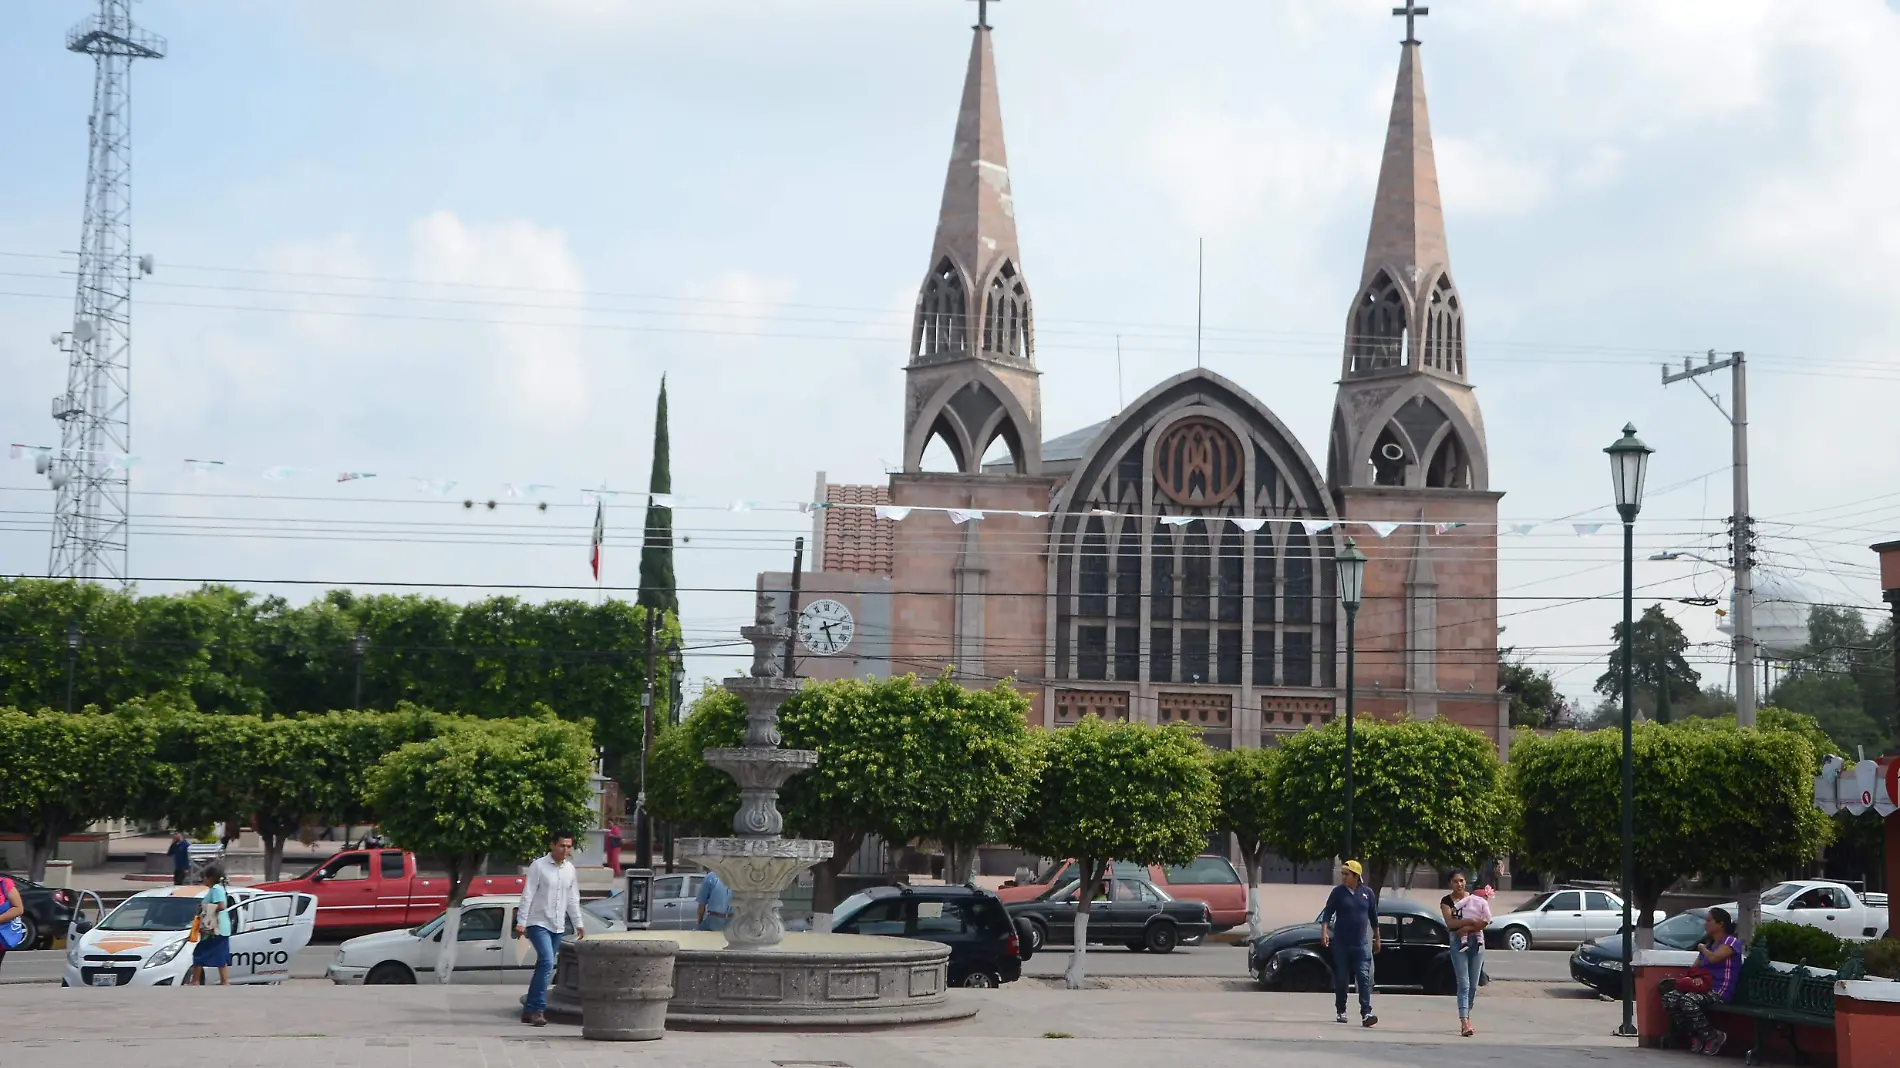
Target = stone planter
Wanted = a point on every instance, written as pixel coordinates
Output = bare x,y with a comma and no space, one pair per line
625,987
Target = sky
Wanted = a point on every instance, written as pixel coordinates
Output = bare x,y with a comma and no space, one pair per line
462,242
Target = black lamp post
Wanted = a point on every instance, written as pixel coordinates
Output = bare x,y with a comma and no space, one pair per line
1629,461
72,661
359,646
1352,587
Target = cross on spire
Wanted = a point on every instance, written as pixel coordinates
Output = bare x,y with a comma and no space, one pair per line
1411,11
983,13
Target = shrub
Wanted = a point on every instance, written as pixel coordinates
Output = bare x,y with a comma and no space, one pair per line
1794,943
1882,957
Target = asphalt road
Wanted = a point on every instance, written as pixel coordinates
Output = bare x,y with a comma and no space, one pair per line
1230,961
43,966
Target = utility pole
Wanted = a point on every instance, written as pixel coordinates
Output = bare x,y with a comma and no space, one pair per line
1741,523
359,645
791,613
642,833
72,661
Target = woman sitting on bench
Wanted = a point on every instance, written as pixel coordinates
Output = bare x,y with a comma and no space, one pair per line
1720,959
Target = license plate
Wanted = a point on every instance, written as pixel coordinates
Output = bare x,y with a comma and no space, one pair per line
105,979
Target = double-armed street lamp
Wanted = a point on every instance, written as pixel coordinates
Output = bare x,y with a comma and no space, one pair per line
1352,587
1629,462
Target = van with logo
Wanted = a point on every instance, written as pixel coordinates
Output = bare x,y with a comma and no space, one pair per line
146,941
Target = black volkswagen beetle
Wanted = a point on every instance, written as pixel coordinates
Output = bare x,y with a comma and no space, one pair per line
1125,910
48,912
1415,953
1598,964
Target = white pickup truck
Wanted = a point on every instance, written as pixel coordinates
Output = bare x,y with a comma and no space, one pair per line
1833,907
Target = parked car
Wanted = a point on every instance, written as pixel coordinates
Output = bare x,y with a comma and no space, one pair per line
1415,953
675,905
1831,906
146,941
379,889
984,948
486,949
1565,917
1598,964
1134,912
1209,878
48,912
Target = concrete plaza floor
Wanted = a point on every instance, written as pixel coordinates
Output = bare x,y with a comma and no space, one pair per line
310,1025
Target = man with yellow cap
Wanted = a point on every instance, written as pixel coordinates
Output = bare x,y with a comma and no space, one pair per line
1349,925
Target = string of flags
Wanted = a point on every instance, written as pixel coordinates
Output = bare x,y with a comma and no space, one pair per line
596,498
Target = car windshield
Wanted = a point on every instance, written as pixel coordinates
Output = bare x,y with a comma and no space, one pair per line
152,914
1779,893
1683,930
429,929
1535,903
849,907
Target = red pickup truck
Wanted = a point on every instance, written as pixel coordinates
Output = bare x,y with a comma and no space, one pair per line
381,889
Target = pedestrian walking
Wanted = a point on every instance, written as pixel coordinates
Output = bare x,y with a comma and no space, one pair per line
1713,980
715,903
180,852
12,928
614,842
1349,925
549,912
213,929
1466,916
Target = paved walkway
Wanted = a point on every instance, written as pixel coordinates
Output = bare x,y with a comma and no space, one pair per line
315,1026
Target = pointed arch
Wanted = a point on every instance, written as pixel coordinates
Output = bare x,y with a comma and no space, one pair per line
1377,333
976,408
1006,326
1445,328
944,432
1449,467
1457,422
942,330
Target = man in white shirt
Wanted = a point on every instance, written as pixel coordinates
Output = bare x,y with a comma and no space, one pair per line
550,909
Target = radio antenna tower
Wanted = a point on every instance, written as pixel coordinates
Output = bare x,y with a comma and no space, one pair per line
90,478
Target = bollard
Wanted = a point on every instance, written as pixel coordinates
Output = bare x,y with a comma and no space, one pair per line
626,984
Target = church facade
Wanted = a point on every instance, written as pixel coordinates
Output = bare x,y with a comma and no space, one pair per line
1174,563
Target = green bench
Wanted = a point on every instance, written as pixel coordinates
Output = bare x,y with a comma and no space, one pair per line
1790,999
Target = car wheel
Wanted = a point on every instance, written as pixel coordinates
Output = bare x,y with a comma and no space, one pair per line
1442,981
1162,937
980,981
32,939
1517,939
1038,936
1306,977
389,973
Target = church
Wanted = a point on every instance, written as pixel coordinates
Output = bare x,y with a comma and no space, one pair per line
1174,564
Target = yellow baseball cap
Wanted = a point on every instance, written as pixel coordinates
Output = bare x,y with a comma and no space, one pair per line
1353,867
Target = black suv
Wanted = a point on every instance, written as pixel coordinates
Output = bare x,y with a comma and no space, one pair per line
984,949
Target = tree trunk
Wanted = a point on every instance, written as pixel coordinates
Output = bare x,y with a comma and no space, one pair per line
462,869
824,880
1377,872
1748,903
959,863
1091,872
40,844
1250,857
273,855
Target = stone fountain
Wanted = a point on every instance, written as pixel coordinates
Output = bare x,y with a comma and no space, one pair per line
754,974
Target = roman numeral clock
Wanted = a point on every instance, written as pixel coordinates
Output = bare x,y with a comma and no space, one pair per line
826,627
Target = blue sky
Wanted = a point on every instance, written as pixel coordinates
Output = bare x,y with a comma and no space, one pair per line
741,194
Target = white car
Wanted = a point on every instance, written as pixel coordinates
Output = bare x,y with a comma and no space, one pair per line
486,949
1559,918
146,941
1831,906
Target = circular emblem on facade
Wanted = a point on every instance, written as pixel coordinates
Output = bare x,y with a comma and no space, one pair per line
1199,462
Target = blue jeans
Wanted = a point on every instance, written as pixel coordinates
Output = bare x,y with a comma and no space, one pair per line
1467,966
546,945
1352,963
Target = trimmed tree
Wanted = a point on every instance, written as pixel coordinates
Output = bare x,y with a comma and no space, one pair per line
1428,792
1131,792
56,774
500,788
658,589
1708,801
1247,812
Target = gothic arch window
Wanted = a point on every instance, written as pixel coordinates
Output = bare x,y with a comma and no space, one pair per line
941,314
1390,459
1006,329
1161,605
943,443
1195,572
1445,329
1378,339
1128,571
1094,577
1450,468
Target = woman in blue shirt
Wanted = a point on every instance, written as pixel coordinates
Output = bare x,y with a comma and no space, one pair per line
214,930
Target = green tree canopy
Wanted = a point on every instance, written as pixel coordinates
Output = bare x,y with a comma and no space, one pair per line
1428,792
1535,700
61,773
1247,811
1660,669
1132,792
1709,801
1844,679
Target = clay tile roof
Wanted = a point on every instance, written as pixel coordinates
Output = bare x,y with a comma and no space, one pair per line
856,540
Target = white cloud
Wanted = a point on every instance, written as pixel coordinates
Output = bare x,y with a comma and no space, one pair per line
1270,169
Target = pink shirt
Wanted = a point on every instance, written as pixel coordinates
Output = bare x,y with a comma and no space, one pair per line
1472,907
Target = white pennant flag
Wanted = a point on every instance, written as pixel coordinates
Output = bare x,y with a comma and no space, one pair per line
14,452
1384,530
960,516
125,460
1250,525
1032,515
660,500
1586,529
1103,511
510,489
1176,520
1446,528
278,474
1521,529
892,512
1319,528
202,468
742,506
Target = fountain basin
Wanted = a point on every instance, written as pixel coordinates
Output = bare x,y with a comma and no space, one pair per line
828,980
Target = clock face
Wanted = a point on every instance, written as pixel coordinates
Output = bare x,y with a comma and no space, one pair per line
825,627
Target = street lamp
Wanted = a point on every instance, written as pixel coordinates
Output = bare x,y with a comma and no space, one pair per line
1352,587
1629,461
72,661
359,645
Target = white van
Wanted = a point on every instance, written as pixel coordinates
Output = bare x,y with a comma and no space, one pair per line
146,940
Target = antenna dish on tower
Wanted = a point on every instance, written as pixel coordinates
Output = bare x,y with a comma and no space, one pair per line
82,330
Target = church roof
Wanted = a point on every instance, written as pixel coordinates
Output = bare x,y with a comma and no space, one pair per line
1063,450
1408,221
977,223
856,540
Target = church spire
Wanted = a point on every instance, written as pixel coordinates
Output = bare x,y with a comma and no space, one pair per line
972,371
1408,225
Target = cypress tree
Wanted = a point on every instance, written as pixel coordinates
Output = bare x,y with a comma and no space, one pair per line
658,590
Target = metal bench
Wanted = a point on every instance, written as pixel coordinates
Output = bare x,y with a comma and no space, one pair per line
1790,999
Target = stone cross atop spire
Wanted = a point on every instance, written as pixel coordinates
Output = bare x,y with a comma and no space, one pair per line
1408,224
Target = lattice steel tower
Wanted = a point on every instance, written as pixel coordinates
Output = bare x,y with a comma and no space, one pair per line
90,477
